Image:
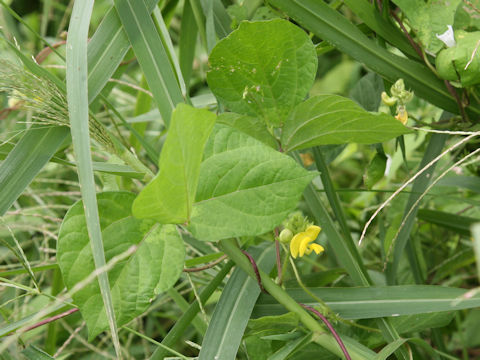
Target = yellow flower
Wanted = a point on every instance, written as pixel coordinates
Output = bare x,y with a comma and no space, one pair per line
300,243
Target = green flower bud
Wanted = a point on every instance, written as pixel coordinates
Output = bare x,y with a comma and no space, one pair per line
285,236
296,222
397,88
405,97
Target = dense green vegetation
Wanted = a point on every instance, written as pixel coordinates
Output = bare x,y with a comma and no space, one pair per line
240,179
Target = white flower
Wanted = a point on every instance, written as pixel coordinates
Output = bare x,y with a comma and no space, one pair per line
447,37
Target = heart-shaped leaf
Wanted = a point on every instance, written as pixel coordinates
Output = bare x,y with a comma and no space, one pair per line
154,267
263,69
245,187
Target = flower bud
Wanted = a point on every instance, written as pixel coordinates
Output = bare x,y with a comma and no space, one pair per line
285,236
397,88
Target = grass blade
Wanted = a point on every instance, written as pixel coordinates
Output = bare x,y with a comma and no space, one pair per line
346,251
151,55
330,191
77,98
374,20
104,60
476,245
209,24
232,312
34,150
181,325
28,157
375,302
434,148
187,42
458,223
168,45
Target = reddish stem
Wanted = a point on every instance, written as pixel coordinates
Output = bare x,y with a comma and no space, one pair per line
51,319
330,327
255,269
414,45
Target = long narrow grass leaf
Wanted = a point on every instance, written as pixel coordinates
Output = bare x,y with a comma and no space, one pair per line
187,42
476,245
168,45
229,320
375,302
435,146
28,157
184,321
151,55
77,98
104,60
374,20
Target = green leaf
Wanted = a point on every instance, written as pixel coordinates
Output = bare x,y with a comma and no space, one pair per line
373,18
273,324
169,197
77,99
368,91
263,69
290,347
375,170
375,302
332,119
458,223
31,352
250,126
471,183
27,158
230,318
245,187
429,19
154,267
390,349
476,244
407,324
8,328
465,17
461,62
238,13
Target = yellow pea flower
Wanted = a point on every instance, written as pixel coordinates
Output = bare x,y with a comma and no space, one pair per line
301,242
